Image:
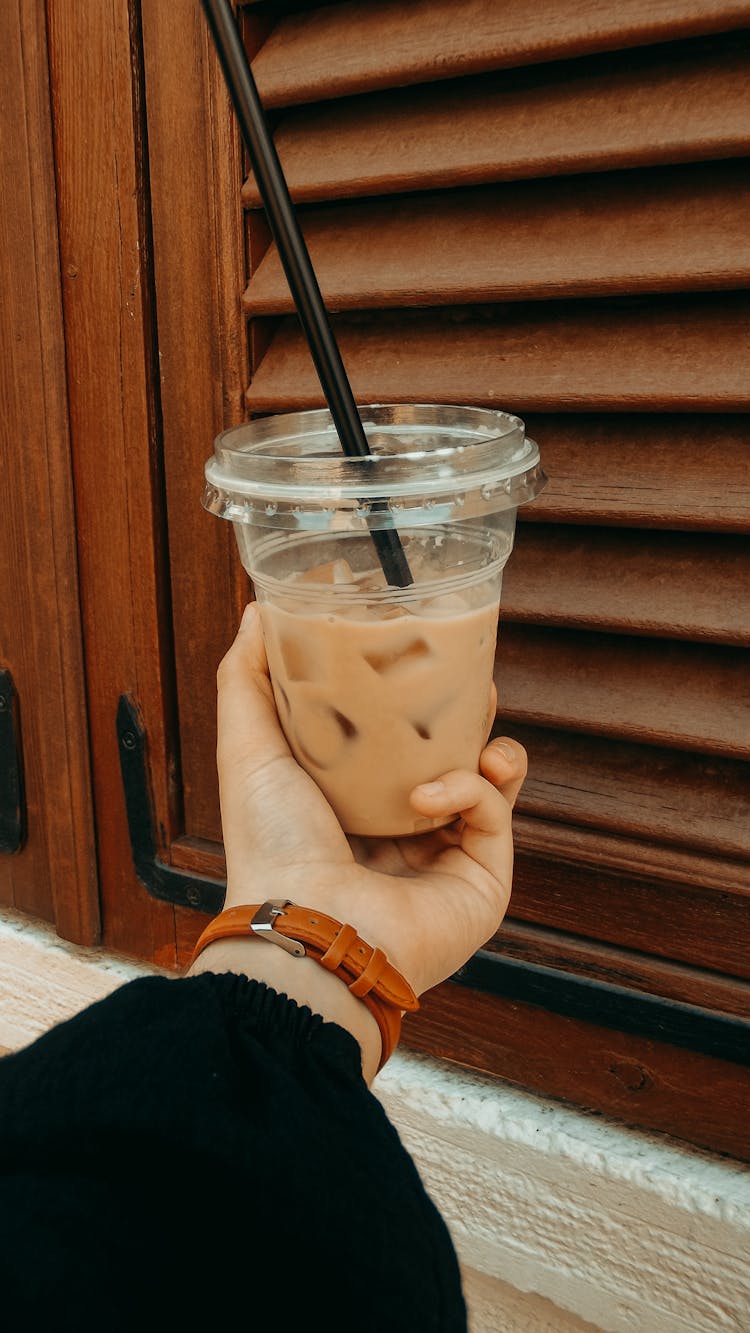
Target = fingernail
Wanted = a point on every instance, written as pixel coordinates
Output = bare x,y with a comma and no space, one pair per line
249,614
432,788
505,749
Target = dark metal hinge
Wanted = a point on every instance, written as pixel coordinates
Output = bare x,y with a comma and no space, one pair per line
12,798
161,880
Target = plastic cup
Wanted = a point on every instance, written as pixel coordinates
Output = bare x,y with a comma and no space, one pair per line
378,688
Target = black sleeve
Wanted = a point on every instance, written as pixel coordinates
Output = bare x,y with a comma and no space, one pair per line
205,1150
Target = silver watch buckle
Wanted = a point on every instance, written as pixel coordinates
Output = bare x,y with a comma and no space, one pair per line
262,925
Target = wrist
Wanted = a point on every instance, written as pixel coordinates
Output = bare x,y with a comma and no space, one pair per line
302,980
350,900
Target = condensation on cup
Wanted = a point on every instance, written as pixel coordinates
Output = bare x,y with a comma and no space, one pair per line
378,688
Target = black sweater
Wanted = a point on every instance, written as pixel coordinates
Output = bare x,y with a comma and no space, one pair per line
204,1151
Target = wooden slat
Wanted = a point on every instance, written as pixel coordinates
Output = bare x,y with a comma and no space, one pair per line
642,1082
677,695
610,114
622,967
690,472
663,584
667,355
658,231
357,47
663,866
54,876
669,797
627,906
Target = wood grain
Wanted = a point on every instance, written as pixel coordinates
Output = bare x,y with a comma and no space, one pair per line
105,255
687,696
199,274
622,967
661,863
611,113
631,1078
689,472
662,584
40,628
340,49
685,923
644,355
199,855
677,229
669,797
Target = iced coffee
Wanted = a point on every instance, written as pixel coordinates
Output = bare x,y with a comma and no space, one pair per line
372,697
378,687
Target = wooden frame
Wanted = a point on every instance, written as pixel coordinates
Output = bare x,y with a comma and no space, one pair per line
54,875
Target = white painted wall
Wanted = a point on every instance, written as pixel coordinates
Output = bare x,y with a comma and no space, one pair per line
562,1221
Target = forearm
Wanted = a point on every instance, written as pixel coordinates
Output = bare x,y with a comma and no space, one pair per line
301,979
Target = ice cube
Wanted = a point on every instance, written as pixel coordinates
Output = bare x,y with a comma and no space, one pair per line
449,604
415,651
319,732
369,582
336,571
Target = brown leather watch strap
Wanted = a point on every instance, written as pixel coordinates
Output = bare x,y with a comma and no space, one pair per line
336,946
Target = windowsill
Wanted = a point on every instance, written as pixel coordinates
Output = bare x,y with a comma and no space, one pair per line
625,1229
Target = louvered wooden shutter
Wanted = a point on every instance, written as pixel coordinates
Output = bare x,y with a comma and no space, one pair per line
543,207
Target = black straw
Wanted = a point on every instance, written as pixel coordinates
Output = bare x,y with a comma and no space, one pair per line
296,262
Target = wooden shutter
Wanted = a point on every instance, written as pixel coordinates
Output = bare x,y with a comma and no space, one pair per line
543,207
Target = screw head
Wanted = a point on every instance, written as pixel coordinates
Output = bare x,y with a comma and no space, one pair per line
129,740
3,702
193,896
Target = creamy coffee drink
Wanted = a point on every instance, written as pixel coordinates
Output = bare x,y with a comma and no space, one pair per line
373,698
378,578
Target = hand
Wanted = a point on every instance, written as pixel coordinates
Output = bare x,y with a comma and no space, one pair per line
429,901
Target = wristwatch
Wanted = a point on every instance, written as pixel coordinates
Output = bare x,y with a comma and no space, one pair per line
306,932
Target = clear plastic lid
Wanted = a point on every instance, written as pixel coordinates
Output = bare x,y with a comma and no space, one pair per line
290,470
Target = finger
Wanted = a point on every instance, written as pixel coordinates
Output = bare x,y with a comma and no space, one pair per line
248,723
491,710
486,836
505,763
